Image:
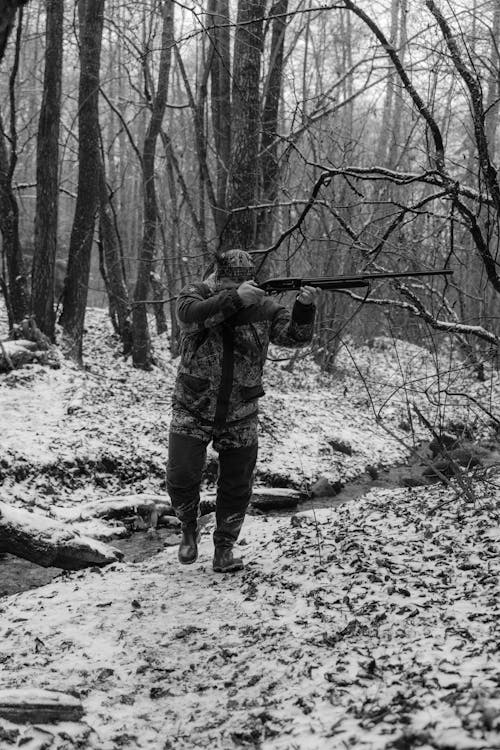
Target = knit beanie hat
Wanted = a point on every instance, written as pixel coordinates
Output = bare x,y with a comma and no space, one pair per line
235,264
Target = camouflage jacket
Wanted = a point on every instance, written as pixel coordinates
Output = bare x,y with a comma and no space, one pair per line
223,350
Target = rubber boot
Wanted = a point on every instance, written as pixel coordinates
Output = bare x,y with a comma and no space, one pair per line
188,547
225,562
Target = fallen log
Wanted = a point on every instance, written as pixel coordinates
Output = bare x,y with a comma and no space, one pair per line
117,508
49,543
153,509
159,507
15,354
156,510
37,706
133,511
275,498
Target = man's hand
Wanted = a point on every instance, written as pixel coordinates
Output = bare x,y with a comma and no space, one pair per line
309,295
250,293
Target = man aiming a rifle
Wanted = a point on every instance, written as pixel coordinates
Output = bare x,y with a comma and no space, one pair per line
226,323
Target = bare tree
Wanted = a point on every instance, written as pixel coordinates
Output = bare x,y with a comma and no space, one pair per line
245,121
114,272
477,208
220,99
47,174
72,319
269,165
141,349
15,286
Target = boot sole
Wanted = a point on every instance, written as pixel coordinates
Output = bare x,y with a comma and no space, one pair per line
188,562
228,569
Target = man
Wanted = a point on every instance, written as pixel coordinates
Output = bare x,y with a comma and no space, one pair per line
226,323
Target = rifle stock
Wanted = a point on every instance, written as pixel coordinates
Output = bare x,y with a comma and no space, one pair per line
340,283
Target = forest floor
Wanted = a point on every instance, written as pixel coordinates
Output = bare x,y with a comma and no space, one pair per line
365,624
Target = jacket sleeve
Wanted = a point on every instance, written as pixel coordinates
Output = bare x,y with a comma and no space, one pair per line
295,329
197,308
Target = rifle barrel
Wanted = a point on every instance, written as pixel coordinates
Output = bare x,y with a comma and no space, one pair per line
379,275
345,282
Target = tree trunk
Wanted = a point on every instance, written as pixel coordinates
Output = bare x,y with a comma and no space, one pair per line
269,145
197,105
42,292
9,226
115,279
245,121
141,349
17,293
8,10
89,160
220,78
384,140
159,292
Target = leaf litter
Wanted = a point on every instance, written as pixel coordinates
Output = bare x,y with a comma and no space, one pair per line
373,624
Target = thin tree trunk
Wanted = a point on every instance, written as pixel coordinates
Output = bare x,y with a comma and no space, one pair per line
220,79
384,142
395,149
17,293
16,288
115,280
159,292
269,144
89,161
198,108
172,262
42,293
8,10
141,348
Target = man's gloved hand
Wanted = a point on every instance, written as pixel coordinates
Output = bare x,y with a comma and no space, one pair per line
250,293
309,295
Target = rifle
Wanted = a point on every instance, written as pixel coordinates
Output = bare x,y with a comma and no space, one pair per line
341,283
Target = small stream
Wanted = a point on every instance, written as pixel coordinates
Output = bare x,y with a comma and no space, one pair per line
18,575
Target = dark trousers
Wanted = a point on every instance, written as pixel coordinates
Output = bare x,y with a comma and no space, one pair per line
186,461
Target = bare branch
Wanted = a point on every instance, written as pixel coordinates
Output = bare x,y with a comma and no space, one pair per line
125,125
476,98
410,88
418,309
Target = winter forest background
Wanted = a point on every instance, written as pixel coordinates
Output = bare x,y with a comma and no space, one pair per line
137,139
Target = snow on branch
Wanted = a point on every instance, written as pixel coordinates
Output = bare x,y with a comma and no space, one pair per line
419,310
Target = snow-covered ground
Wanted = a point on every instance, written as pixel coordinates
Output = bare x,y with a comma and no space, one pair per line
112,414
374,625
369,625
